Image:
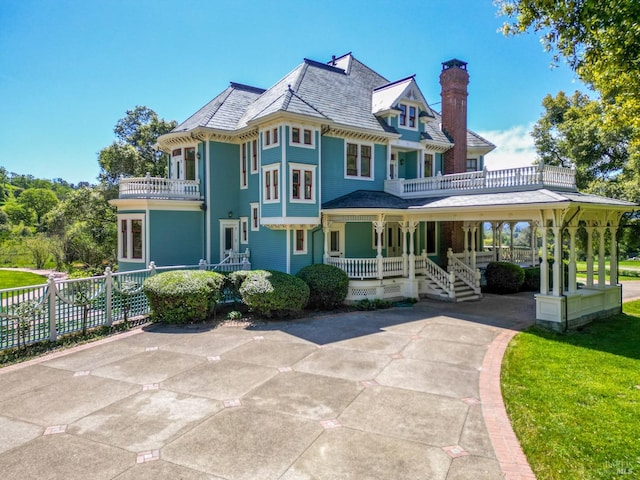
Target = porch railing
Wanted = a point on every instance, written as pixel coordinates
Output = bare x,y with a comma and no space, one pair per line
356,267
519,256
432,270
155,187
43,312
487,180
464,272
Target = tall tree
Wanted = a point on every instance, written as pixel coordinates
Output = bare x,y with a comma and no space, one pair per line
39,201
571,133
132,153
600,40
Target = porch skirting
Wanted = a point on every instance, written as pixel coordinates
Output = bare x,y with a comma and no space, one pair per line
398,288
574,310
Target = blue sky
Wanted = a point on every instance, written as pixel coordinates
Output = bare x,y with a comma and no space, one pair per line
70,69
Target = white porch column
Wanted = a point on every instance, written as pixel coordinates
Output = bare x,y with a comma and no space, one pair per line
589,230
601,265
404,226
533,226
499,245
544,264
412,258
511,228
379,226
474,243
465,229
613,256
572,259
557,260
325,233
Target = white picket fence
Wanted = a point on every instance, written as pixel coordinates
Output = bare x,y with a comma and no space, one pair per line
44,312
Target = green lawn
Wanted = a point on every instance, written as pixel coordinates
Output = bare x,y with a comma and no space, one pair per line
12,278
574,399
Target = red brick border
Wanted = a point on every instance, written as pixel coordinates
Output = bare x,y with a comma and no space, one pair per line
505,443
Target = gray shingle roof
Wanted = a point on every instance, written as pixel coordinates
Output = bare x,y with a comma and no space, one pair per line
341,93
382,200
224,111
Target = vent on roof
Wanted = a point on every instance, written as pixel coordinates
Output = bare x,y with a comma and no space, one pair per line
324,65
247,88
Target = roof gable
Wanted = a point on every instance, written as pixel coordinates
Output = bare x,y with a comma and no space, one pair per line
387,97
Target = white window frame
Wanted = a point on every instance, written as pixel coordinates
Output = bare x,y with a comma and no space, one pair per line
255,207
129,218
302,167
305,241
466,166
301,143
244,230
179,163
267,172
271,144
433,164
416,117
244,165
359,161
254,154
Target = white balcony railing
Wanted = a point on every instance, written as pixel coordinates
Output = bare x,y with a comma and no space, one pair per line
165,188
523,178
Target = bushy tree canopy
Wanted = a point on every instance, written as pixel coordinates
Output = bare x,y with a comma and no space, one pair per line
132,153
600,40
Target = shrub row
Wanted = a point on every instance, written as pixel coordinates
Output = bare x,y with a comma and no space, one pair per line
192,295
505,277
183,296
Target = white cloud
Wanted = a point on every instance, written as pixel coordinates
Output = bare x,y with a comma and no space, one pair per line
514,147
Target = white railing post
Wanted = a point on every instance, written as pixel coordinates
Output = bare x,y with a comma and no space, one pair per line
152,268
52,292
108,279
202,264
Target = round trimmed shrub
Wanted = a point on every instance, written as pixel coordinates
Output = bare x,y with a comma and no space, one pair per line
328,285
183,296
274,294
504,277
531,280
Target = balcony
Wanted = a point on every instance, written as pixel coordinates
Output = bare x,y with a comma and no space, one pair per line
485,181
159,188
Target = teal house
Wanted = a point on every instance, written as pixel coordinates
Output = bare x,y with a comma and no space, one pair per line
337,164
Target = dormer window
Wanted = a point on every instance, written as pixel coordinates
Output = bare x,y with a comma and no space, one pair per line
408,117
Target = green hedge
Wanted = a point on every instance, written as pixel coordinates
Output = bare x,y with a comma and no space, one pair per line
274,294
183,296
531,280
504,277
328,285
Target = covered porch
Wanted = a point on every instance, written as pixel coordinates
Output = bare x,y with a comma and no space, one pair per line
413,255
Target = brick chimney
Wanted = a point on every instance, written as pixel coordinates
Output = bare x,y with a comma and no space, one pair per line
454,80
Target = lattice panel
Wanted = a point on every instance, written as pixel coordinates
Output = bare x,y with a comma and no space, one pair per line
364,292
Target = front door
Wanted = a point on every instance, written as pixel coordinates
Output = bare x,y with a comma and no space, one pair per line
229,234
336,241
394,240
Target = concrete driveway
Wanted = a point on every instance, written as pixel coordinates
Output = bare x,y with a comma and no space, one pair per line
405,393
